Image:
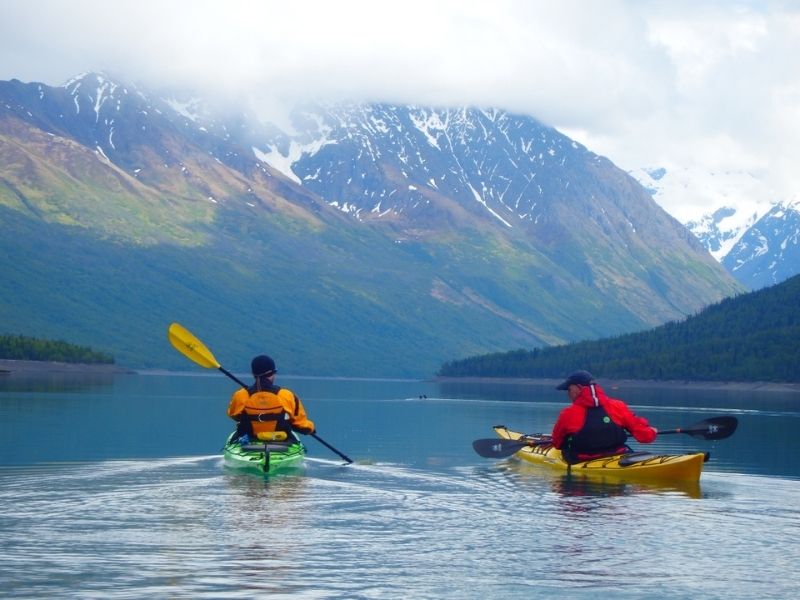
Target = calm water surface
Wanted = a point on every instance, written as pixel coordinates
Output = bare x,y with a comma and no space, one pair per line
114,488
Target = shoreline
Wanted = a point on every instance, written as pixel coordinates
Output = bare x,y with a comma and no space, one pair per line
739,386
12,367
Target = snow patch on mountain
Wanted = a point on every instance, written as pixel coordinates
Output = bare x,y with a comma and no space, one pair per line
480,199
283,161
279,162
430,125
191,109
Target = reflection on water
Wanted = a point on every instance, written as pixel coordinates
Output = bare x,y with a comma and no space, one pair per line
573,484
189,528
510,391
30,381
142,416
118,491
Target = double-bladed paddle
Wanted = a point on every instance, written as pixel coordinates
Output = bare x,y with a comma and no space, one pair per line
193,349
715,428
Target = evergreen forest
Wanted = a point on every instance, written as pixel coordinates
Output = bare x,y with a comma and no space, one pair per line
750,337
20,347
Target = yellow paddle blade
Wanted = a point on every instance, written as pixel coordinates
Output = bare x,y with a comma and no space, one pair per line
191,347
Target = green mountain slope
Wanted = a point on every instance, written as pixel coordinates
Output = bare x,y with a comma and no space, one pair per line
114,224
752,337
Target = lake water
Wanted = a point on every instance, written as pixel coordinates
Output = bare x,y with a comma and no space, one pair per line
113,487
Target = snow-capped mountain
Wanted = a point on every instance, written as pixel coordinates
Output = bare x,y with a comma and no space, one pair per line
753,240
769,251
690,193
720,231
421,233
379,161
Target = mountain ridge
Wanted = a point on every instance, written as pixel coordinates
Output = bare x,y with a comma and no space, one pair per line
769,251
561,162
147,215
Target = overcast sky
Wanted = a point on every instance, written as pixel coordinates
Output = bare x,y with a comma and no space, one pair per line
697,87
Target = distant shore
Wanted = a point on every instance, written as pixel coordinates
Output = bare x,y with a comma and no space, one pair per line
755,386
9,367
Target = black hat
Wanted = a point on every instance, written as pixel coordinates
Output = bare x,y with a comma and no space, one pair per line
262,365
576,378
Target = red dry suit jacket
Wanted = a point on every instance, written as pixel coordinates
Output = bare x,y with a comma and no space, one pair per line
572,418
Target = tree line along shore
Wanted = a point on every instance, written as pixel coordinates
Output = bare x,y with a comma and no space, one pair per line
23,354
748,338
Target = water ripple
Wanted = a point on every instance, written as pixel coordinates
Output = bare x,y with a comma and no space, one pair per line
186,528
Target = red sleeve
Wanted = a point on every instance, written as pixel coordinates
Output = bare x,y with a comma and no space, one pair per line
569,421
638,426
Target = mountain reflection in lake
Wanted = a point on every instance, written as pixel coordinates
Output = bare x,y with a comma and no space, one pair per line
117,489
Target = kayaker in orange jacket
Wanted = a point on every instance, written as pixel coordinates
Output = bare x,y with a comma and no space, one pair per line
265,407
595,425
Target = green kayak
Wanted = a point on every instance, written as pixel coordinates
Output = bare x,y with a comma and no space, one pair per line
264,457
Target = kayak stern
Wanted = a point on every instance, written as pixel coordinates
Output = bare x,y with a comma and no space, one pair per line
264,458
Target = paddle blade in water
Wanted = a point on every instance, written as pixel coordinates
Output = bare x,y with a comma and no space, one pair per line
716,428
498,448
192,348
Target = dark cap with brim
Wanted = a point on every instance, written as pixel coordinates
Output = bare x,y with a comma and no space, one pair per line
262,365
576,378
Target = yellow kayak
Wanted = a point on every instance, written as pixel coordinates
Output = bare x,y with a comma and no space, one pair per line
635,466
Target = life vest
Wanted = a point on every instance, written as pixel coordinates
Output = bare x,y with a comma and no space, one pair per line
264,411
599,436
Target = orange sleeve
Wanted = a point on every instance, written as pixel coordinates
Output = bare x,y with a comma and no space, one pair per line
237,403
295,408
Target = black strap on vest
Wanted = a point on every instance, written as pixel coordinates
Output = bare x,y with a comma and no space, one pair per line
245,420
265,417
281,418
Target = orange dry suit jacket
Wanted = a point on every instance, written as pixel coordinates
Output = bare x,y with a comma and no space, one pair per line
265,407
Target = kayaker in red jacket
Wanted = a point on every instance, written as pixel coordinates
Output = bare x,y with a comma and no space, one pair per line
265,407
595,425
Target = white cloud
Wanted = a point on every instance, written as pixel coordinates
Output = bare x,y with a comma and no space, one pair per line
708,85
